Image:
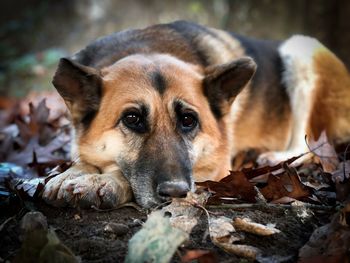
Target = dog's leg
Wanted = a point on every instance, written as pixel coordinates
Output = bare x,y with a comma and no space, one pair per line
82,185
302,82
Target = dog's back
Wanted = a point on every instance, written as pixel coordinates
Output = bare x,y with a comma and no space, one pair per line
187,41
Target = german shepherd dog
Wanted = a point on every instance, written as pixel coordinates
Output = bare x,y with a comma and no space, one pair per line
155,109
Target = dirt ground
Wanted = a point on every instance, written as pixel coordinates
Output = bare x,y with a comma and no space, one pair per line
84,231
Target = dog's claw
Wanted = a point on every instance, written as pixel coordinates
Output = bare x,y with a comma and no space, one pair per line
86,190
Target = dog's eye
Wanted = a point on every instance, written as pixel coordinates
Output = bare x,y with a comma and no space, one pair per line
131,119
134,121
188,121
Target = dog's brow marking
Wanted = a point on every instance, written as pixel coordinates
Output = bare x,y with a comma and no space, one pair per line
158,81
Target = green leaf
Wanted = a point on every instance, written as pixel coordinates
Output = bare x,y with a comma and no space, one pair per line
156,242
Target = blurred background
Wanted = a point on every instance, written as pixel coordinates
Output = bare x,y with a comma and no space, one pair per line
34,34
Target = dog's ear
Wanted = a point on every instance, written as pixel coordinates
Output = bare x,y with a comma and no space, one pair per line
222,83
80,87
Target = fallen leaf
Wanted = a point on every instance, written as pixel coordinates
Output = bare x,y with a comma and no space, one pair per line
32,221
41,244
283,200
276,169
234,185
246,225
223,235
201,256
33,142
184,212
329,243
342,173
27,187
157,241
325,152
245,251
286,184
43,154
221,229
317,186
53,101
343,190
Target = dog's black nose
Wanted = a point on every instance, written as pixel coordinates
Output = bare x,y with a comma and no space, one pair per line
173,189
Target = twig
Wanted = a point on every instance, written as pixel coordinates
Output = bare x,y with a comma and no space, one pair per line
10,254
203,208
6,221
161,205
260,198
345,153
130,204
240,206
319,146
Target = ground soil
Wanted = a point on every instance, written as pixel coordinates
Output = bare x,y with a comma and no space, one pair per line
83,231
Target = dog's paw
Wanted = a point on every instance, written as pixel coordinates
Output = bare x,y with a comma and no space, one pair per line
86,190
54,185
270,158
274,158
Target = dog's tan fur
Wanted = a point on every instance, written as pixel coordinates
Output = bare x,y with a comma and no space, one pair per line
317,98
331,101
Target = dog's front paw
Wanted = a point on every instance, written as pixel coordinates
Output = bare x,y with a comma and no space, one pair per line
55,185
274,158
270,158
86,190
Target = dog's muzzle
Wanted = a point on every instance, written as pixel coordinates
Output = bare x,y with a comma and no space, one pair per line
173,189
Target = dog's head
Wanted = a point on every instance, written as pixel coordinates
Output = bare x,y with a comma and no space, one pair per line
160,120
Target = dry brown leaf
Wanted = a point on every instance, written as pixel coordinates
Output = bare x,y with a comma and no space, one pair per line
283,200
342,173
201,256
253,173
329,243
245,251
222,234
184,212
221,229
245,224
343,191
325,152
234,185
53,101
286,184
27,187
31,140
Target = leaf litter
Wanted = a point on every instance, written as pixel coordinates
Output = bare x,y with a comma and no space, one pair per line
260,213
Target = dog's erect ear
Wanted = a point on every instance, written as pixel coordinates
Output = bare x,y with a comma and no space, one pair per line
80,87
222,83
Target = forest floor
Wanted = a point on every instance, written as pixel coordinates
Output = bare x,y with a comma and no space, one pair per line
85,232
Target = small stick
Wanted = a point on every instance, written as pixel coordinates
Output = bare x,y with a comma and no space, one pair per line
239,206
317,147
6,221
130,204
